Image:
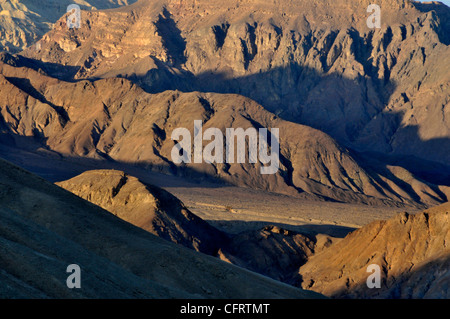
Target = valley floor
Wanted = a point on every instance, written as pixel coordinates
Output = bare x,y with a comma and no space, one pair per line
229,208
235,209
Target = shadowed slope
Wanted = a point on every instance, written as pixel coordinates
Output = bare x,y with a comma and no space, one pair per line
46,227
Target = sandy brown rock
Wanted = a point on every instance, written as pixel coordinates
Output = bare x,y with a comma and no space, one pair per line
412,251
316,63
146,207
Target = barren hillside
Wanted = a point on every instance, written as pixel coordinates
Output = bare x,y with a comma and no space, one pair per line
45,228
412,250
113,119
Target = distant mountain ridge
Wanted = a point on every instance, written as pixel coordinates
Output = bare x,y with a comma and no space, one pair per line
23,23
316,63
113,119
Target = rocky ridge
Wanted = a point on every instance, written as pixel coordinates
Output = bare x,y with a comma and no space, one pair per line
412,252
383,90
109,120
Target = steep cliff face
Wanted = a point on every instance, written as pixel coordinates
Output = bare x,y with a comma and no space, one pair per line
384,90
412,251
116,120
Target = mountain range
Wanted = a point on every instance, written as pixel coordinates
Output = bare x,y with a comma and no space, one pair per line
383,91
108,119
363,119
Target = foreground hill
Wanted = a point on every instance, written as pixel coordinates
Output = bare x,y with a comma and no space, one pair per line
113,119
271,251
413,252
45,228
312,62
147,207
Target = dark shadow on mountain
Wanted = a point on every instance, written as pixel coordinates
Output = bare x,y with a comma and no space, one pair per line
61,72
31,154
171,38
262,87
25,85
309,230
428,171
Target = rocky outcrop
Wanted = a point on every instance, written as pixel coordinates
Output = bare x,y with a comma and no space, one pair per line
412,252
147,207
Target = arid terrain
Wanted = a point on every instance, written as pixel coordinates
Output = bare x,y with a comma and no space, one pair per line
44,228
87,168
